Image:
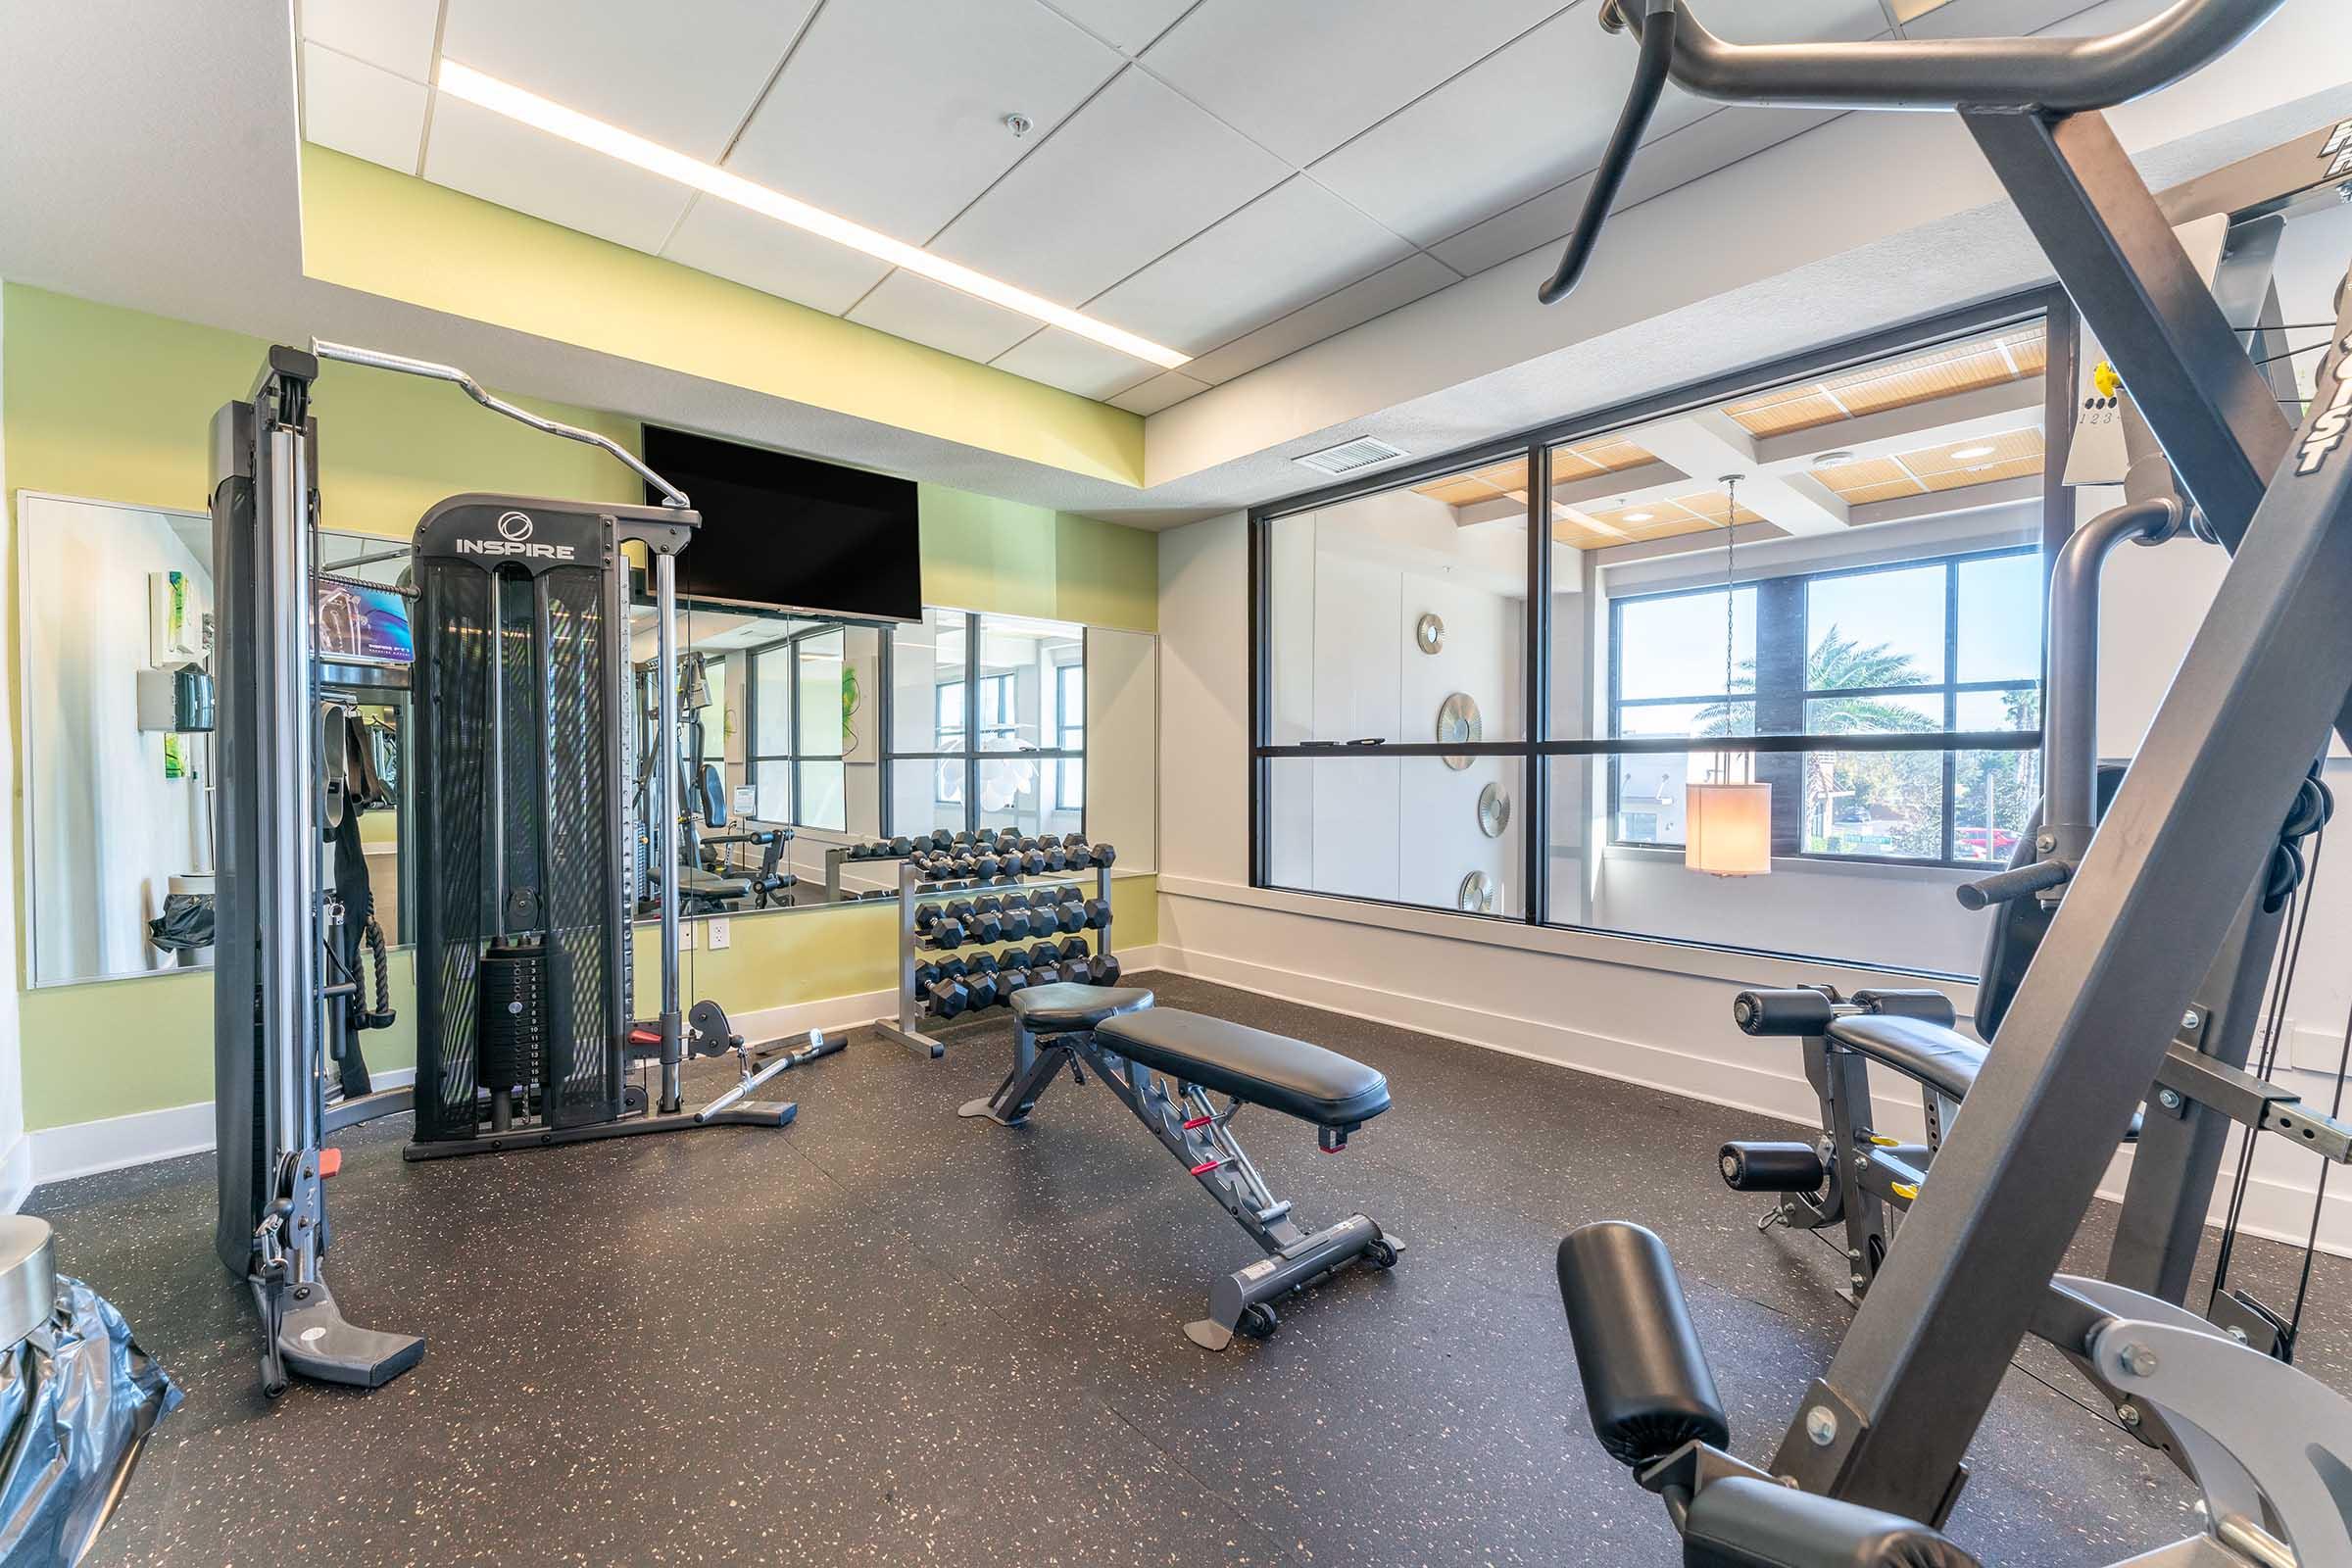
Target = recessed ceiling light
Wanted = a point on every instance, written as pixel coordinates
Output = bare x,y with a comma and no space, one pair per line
1640,517
1971,453
529,108
1832,459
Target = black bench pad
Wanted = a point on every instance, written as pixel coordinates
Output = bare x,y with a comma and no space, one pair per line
1945,1060
1063,1008
1265,1069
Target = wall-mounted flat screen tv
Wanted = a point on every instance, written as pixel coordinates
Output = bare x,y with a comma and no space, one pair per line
791,533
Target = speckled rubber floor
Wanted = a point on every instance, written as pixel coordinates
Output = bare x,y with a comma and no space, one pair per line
888,1336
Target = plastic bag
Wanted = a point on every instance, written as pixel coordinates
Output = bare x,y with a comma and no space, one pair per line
187,922
77,1398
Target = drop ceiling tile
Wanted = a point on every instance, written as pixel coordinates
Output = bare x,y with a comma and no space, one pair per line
395,36
912,307
1666,162
356,107
726,239
1384,291
1537,114
684,74
1127,178
891,112
1129,24
1164,390
1284,250
1303,78
1984,18
489,156
1076,364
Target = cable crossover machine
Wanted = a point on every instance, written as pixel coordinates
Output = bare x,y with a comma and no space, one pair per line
525,871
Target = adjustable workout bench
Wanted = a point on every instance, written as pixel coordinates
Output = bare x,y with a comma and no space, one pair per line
1164,1065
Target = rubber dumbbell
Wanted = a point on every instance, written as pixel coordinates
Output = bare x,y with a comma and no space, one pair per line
1102,969
943,989
1078,857
1043,954
1045,974
1073,949
1009,981
1017,925
1098,913
1069,916
1069,893
1104,854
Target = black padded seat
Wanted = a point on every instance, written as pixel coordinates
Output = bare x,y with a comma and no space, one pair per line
1265,1069
1945,1060
1063,1008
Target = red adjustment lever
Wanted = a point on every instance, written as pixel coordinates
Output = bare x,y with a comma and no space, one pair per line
1198,1122
330,1162
1206,1166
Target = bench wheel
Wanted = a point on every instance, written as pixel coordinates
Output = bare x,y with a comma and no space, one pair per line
1258,1322
1381,1253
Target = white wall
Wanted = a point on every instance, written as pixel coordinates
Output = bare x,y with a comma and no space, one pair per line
106,830
15,1163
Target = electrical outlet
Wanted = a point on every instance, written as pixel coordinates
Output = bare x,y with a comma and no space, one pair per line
685,935
2311,1050
720,936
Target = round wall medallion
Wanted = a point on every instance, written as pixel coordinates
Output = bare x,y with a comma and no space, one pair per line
1493,810
1476,896
1429,634
1458,724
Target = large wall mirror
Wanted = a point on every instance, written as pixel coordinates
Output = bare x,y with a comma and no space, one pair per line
118,764
800,736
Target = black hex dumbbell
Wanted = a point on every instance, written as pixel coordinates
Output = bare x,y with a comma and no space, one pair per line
942,988
1043,954
1009,981
1017,926
1069,916
1098,913
1102,969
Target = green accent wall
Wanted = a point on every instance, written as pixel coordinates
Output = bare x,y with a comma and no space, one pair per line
370,229
114,405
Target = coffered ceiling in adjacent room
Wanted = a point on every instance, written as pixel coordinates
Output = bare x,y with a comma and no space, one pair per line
1234,179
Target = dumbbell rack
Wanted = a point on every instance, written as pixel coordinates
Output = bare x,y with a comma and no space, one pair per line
906,1028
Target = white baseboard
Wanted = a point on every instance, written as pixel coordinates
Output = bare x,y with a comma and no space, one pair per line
87,1148
84,1149
2275,1210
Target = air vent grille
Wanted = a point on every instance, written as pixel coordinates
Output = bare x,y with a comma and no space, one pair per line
1347,457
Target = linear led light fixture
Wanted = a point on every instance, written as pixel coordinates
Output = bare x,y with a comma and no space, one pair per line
529,109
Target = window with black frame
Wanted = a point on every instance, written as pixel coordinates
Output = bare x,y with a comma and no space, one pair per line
800,706
1491,685
1945,646
989,725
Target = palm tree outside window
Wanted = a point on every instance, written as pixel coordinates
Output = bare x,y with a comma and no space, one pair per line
1927,648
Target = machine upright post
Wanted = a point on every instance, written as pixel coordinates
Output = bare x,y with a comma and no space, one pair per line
666,795
291,1001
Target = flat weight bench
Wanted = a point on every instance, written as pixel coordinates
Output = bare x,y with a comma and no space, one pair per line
1164,1065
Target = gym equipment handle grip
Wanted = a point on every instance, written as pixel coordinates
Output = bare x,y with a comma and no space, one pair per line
2002,886
1632,123
1647,1387
2058,75
1801,1010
